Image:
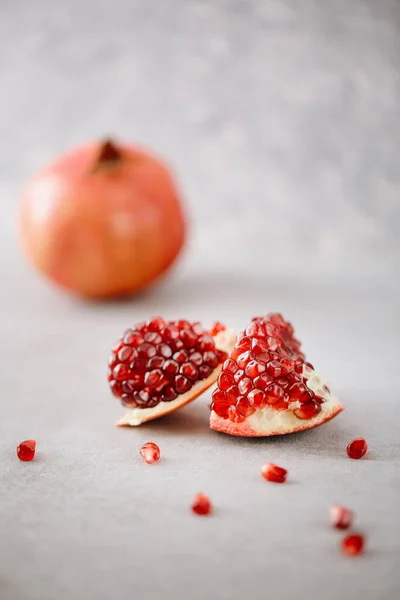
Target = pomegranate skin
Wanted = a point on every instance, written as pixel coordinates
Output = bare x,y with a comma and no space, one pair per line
102,227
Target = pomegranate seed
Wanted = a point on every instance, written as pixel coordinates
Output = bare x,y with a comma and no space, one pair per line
150,452
205,371
121,372
353,544
211,359
26,450
156,324
164,350
274,473
254,369
133,338
171,332
152,378
308,410
263,381
169,394
152,337
201,505
357,448
243,359
245,386
126,354
171,367
299,392
196,358
243,407
274,368
341,517
225,381
232,394
188,337
182,384
256,398
157,362
217,328
256,329
229,366
206,343
180,357
243,344
146,350
233,415
189,371
238,376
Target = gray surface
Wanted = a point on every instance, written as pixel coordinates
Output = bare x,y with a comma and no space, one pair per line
283,125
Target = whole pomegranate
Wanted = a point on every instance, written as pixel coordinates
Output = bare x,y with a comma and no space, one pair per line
103,220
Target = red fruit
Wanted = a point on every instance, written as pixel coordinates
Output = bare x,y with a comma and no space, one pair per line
353,544
341,517
103,220
357,448
26,450
268,388
273,473
158,366
150,452
202,505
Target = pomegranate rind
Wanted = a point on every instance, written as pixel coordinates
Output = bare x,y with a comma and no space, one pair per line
268,421
224,340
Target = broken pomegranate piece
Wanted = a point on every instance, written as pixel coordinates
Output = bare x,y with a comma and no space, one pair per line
158,366
266,387
357,449
353,544
202,505
26,450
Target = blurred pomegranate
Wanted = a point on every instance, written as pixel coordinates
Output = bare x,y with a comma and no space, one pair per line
103,220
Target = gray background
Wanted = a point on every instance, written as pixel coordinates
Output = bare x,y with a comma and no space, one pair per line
281,120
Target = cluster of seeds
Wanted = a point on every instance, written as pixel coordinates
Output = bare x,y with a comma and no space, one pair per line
157,361
265,368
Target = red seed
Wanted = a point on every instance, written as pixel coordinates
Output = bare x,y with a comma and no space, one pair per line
225,381
229,366
341,517
26,450
189,371
273,473
217,328
245,386
202,505
353,544
254,369
182,384
150,452
233,415
357,448
308,410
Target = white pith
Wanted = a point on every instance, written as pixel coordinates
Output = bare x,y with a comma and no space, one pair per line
268,421
224,340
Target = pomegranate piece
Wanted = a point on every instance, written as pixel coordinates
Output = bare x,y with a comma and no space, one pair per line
268,358
341,517
26,450
150,452
158,366
202,505
357,448
273,473
353,544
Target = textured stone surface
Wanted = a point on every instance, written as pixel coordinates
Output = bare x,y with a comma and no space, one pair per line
281,120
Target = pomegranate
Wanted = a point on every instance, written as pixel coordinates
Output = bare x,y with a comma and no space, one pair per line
158,366
266,387
26,450
104,220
